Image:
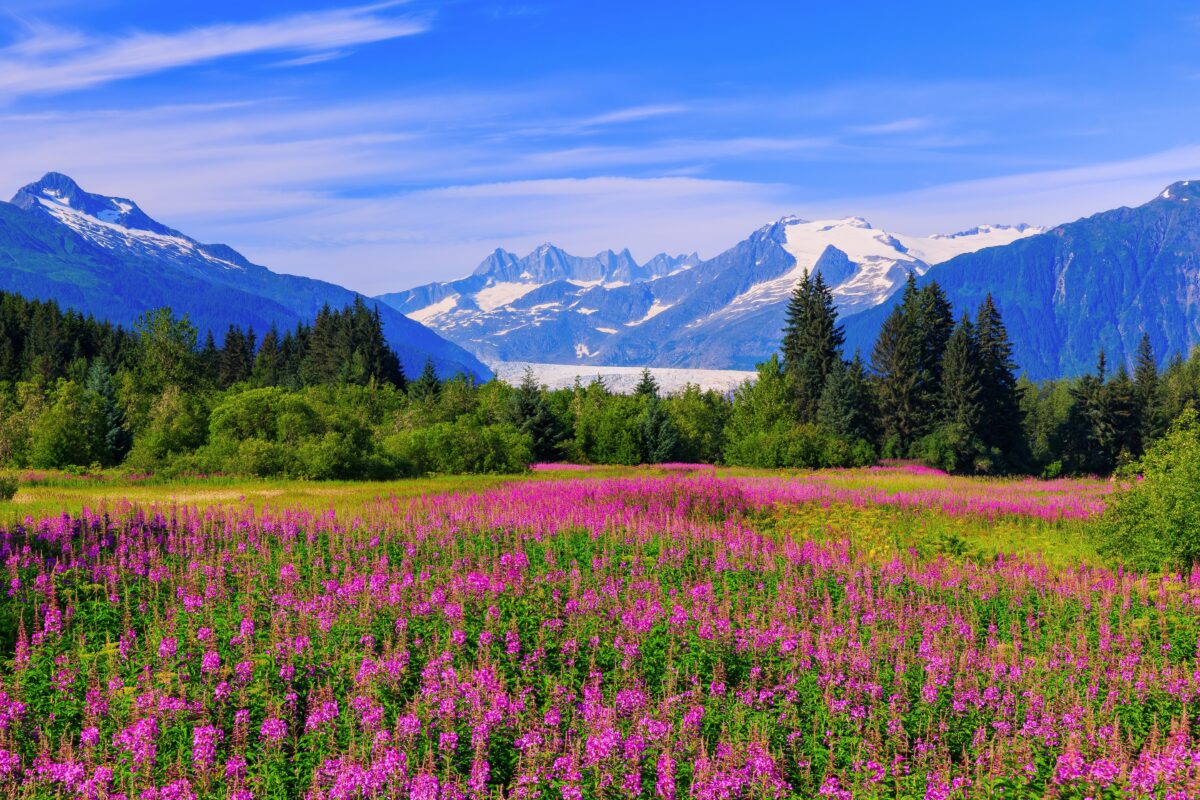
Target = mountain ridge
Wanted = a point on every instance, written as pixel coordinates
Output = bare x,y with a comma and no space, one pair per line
104,256
1098,282
682,311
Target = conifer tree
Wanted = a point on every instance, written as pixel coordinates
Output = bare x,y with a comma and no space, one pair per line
895,363
1084,436
236,358
1148,395
268,362
210,358
1003,422
1119,420
427,387
932,321
647,386
847,406
961,402
657,434
533,415
114,440
812,343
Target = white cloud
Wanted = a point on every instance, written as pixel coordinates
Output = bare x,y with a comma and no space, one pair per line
387,193
634,114
906,125
48,60
406,239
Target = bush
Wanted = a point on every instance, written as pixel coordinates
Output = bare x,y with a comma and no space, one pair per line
8,486
797,447
462,447
1155,523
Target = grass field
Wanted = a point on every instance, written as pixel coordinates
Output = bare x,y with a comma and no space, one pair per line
675,632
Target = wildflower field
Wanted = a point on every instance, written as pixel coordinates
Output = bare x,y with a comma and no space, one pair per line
674,632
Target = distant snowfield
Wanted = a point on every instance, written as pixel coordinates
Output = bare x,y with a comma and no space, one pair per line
620,379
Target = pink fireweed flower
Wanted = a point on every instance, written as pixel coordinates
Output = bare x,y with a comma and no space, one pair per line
204,745
320,717
138,742
167,647
272,730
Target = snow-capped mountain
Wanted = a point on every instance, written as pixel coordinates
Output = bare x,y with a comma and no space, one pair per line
117,224
723,313
104,256
547,290
1094,284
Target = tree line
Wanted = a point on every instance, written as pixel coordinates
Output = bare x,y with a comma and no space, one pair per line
330,400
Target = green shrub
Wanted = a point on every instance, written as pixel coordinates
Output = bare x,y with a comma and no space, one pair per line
8,486
797,447
1155,523
462,447
955,449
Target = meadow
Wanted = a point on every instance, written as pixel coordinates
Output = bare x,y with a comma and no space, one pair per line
678,631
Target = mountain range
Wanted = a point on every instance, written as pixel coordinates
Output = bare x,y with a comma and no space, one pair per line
675,311
104,256
1065,292
1095,284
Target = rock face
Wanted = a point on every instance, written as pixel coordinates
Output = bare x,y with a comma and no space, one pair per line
674,311
104,256
1097,283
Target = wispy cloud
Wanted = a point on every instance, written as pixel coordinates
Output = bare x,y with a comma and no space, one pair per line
312,58
634,114
47,60
906,125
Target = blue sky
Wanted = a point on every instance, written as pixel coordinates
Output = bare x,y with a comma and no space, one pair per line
389,144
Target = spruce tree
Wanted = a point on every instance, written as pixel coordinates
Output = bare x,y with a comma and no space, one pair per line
847,406
959,443
656,433
1120,420
1085,435
647,386
114,440
961,403
427,387
533,415
895,363
1003,421
812,343
268,363
1148,395
236,358
932,320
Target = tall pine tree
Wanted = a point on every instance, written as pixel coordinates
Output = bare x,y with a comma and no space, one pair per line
812,343
932,321
895,362
647,386
847,407
427,387
1003,420
533,415
1148,395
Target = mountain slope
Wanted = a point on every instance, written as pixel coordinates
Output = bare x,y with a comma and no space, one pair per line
1095,283
106,257
723,313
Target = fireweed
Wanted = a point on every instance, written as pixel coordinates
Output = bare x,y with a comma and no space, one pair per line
589,638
